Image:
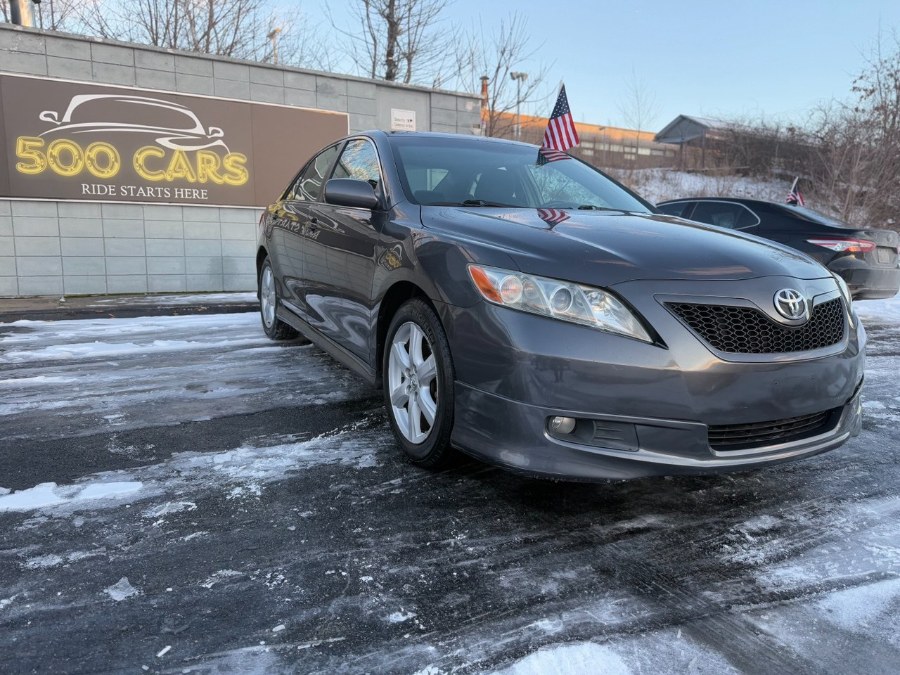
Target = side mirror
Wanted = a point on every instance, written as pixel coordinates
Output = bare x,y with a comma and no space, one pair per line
215,132
48,116
350,192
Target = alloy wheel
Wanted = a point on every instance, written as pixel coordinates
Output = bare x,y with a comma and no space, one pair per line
412,382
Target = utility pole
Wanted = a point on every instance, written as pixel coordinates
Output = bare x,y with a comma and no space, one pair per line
519,77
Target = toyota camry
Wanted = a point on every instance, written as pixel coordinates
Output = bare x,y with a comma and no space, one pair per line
532,312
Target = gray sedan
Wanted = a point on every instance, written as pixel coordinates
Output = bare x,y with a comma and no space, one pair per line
538,315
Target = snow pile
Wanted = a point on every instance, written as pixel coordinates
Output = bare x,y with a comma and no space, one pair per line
856,609
657,185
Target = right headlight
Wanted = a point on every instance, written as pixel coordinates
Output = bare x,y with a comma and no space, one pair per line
848,299
556,299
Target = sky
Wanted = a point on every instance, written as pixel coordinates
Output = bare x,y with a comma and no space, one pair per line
749,60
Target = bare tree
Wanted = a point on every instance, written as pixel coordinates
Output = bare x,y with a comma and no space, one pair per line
396,40
236,28
639,108
495,56
857,171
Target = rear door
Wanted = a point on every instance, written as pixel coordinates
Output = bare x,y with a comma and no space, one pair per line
730,215
339,258
295,231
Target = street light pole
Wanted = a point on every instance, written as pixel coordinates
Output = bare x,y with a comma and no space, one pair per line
519,77
273,36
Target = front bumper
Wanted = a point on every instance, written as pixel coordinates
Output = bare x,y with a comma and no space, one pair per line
515,370
515,435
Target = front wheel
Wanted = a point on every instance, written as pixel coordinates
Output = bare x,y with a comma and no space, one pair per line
274,327
417,377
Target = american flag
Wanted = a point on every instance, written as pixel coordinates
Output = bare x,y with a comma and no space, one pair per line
561,133
794,196
552,216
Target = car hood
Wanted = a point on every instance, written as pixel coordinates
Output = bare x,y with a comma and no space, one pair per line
610,247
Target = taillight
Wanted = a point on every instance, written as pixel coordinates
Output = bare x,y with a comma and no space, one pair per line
845,245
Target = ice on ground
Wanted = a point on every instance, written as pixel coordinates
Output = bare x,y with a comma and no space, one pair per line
50,494
169,508
177,300
121,590
241,472
400,617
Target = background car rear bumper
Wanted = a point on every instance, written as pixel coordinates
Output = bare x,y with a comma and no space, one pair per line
867,282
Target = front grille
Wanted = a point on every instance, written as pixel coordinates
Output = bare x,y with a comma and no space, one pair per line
761,434
746,330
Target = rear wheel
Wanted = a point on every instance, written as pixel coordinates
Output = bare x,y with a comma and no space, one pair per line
274,327
417,377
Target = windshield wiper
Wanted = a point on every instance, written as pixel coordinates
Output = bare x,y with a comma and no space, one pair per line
594,207
482,202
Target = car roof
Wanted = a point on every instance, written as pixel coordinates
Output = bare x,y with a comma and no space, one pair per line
442,135
739,200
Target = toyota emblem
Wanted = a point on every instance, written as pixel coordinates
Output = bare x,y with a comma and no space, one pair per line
791,304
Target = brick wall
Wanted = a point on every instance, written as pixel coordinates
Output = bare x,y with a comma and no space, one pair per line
66,247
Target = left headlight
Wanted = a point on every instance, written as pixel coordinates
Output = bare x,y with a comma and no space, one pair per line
848,299
557,299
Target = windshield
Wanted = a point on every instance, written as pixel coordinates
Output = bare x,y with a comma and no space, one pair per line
475,172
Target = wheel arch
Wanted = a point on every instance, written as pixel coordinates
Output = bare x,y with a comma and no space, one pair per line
395,296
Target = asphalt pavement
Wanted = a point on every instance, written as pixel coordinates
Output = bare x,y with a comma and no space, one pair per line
179,494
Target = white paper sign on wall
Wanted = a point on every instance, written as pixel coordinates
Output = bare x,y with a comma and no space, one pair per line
403,120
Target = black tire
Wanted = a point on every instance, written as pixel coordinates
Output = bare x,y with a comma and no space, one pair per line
434,452
274,327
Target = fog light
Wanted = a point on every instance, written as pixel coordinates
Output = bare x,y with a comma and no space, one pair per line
562,425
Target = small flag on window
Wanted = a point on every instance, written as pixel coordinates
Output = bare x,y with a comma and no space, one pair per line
561,133
794,196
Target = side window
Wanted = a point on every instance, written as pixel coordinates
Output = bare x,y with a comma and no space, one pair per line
309,183
360,161
722,214
675,209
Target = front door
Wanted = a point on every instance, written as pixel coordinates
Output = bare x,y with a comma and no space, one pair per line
339,261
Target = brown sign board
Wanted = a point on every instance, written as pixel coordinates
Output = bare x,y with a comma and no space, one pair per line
71,140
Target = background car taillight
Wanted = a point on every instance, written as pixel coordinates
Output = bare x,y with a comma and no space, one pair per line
845,245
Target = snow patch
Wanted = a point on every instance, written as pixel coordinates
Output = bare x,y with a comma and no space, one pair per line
121,590
583,657
50,494
855,609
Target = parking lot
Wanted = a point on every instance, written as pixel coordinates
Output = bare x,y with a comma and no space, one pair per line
179,494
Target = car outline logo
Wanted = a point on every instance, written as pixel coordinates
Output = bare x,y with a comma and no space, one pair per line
790,303
193,136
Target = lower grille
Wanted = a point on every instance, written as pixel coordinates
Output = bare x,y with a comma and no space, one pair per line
746,330
761,434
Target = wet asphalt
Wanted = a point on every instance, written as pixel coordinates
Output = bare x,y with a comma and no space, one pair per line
267,523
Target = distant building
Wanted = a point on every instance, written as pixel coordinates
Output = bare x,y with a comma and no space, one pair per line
601,146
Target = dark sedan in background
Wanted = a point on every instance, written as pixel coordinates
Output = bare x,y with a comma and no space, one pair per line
538,315
867,259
